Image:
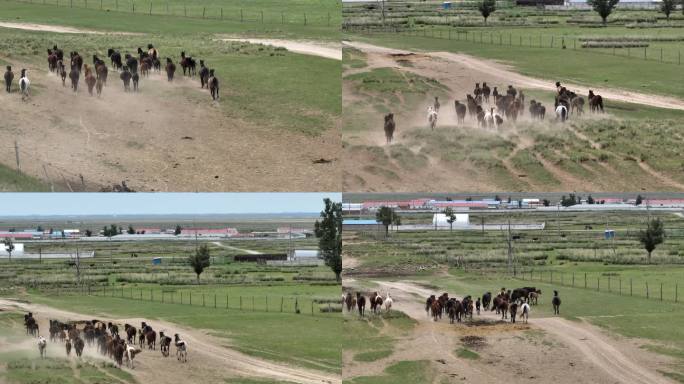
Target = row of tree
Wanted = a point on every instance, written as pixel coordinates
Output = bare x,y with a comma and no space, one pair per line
603,7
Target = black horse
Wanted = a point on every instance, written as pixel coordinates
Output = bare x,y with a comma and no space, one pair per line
556,303
115,56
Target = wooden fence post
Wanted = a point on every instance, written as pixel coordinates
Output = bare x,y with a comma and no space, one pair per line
253,304
573,279
282,299
226,301
647,294
630,286
304,18
585,279
661,291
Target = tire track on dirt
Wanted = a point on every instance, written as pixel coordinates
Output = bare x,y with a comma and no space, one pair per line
207,359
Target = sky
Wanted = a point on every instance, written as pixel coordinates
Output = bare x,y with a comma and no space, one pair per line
25,204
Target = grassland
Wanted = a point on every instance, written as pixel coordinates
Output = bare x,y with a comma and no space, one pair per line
323,17
601,281
14,181
541,43
259,309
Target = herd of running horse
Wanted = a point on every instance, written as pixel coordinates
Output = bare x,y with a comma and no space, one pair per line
509,104
132,69
505,303
105,337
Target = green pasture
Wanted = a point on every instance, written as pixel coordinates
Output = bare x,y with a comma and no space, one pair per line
404,372
373,337
169,17
575,66
260,84
300,339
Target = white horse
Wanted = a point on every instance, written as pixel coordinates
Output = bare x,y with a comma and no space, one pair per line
42,343
489,119
24,84
525,312
432,117
181,348
129,354
388,302
561,112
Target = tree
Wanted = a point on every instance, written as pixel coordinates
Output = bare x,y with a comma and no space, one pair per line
131,230
639,200
590,200
329,234
546,202
88,233
568,201
200,260
666,7
451,217
652,236
178,230
603,7
486,8
110,231
387,216
39,229
9,247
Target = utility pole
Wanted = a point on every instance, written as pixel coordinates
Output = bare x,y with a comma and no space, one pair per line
383,12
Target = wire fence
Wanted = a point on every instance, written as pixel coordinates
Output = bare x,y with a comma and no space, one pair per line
599,282
247,303
541,41
193,10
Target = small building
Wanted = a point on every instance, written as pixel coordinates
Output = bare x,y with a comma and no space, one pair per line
297,254
446,5
440,220
18,250
360,225
157,261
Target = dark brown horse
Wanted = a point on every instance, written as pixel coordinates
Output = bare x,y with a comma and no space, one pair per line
164,343
556,303
389,127
188,63
213,85
595,102
361,303
74,76
170,69
9,76
204,75
52,60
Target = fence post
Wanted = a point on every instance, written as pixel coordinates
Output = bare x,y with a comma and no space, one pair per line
304,18
204,12
676,292
214,300
647,294
598,283
585,279
162,299
222,13
661,291
226,301
190,297
252,303
551,279
203,302
573,279
266,303
241,16
620,284
282,299
630,286
608,283
151,295
262,17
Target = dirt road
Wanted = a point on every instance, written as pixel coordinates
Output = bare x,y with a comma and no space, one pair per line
219,244
306,47
167,137
593,356
492,69
58,29
209,359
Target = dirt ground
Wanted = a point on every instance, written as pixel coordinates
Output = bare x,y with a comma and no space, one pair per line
459,72
305,47
546,350
167,137
57,28
210,359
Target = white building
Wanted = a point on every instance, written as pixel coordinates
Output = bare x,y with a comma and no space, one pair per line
440,220
18,250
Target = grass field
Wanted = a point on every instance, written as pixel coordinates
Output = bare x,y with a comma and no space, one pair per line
279,21
12,180
533,40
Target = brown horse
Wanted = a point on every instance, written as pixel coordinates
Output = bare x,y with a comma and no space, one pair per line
74,75
151,337
389,127
436,309
62,72
89,79
164,343
503,307
556,303
213,85
170,69
513,309
460,111
188,63
595,102
52,60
